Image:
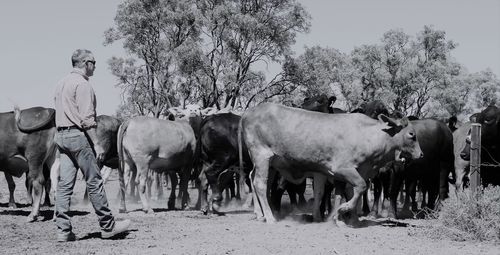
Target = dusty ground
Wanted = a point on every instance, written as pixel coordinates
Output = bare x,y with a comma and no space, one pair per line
190,232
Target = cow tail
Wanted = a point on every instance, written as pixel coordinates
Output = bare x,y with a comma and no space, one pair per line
121,163
17,113
240,153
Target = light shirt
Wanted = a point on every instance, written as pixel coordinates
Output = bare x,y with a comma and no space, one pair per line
75,101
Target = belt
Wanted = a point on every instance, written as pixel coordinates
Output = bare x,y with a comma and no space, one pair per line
67,128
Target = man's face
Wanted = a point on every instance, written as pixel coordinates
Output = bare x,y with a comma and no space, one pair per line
89,65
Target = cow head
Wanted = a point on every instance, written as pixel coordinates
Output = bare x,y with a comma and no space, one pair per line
404,136
489,119
320,103
191,110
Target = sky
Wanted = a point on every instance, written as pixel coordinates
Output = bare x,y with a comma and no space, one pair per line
38,38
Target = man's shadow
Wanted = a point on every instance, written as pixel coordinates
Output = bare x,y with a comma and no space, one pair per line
97,235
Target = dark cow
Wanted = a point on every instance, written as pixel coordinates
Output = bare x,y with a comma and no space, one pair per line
300,143
320,103
489,119
219,152
107,132
431,171
26,145
145,144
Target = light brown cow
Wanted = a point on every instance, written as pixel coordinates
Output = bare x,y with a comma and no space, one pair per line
346,147
146,143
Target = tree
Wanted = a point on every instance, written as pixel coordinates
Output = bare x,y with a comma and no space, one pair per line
317,71
153,33
241,33
201,51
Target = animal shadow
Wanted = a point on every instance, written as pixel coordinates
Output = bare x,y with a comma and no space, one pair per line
44,215
17,204
381,222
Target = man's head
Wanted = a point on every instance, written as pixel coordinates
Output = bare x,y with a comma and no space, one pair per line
84,60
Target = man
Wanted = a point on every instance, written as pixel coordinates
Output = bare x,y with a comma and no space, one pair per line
75,106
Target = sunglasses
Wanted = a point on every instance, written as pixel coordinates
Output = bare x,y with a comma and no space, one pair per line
90,61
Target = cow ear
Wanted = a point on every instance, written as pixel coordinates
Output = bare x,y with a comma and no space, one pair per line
391,122
404,122
394,126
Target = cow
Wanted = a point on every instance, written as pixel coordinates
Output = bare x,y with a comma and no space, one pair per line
146,143
489,119
321,103
431,171
300,143
372,109
27,145
218,140
461,166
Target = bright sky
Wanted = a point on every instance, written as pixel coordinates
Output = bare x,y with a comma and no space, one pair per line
38,38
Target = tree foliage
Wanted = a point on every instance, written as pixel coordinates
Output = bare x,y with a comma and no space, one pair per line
208,52
201,51
413,75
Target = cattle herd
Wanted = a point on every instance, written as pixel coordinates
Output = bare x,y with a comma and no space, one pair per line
266,151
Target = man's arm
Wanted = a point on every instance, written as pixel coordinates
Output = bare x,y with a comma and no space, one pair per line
86,107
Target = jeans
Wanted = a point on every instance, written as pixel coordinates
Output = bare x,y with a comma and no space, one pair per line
76,152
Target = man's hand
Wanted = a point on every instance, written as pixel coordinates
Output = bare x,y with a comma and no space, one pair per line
99,151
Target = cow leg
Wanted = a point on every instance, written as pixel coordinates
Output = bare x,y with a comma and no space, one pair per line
260,182
238,186
12,188
366,207
205,181
352,176
256,203
203,192
377,191
301,190
133,185
157,183
143,175
149,182
396,181
48,184
36,180
29,189
173,183
143,178
183,187
277,189
319,189
326,204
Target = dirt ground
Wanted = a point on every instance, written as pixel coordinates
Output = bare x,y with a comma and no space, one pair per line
191,232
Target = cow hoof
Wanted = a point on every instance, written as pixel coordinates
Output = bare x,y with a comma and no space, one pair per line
218,213
270,220
373,215
121,210
31,218
148,211
344,208
204,211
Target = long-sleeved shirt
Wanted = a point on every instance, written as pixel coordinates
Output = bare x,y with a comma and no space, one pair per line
75,101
